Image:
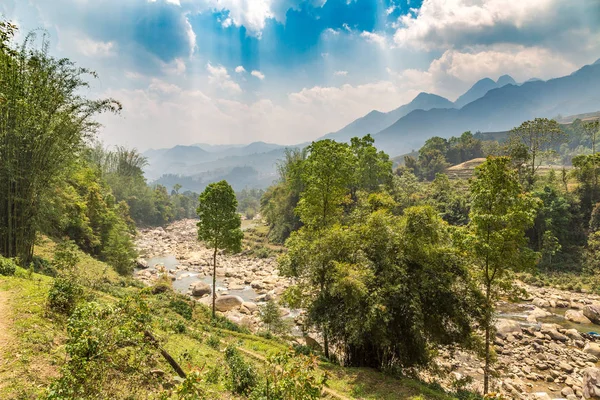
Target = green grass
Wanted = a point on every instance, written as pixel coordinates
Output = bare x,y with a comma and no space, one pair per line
35,349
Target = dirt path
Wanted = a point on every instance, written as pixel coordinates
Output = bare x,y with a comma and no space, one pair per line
4,322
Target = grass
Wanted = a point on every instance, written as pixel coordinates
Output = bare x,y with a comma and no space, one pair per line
35,348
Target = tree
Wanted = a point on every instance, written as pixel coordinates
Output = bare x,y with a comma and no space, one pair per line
372,169
326,174
270,316
219,224
45,122
500,214
539,136
591,129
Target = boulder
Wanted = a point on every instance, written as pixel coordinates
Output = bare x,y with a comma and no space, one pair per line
592,348
573,334
200,289
228,302
540,302
506,326
541,396
250,306
577,317
592,311
141,263
591,383
556,335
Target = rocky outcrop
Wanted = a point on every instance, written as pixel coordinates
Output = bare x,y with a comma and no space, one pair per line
505,327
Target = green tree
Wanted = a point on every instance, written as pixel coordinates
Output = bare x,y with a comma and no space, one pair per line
44,125
326,175
500,214
271,317
540,137
591,130
219,224
373,168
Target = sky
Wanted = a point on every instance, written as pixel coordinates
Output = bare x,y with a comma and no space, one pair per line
290,71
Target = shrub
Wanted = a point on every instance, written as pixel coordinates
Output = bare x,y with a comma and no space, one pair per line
241,377
270,316
290,376
63,296
193,386
182,308
213,341
43,266
7,266
262,252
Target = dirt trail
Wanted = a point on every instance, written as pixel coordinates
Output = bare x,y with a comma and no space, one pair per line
4,322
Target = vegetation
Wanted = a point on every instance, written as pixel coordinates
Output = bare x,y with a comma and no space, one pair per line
219,224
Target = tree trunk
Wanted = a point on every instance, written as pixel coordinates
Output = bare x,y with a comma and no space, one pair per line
326,342
214,288
488,328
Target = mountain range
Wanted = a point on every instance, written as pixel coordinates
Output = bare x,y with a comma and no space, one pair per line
487,106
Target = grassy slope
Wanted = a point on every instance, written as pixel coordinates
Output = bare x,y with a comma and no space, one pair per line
33,352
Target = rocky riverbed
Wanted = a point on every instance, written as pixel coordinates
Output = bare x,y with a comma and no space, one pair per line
543,345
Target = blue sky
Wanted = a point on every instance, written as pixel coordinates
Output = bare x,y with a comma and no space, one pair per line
288,71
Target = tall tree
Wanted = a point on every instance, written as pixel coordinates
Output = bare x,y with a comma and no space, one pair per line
326,174
539,136
591,129
219,224
44,124
500,214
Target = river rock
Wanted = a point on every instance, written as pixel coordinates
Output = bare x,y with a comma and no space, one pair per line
591,383
250,306
228,302
200,289
506,326
577,317
592,311
592,348
541,396
540,302
141,263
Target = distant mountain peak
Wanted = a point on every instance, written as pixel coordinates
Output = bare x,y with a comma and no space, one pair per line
505,80
597,62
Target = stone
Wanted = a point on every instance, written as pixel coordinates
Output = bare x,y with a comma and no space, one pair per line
566,391
592,348
228,302
565,367
141,263
540,302
556,335
573,334
506,326
250,306
541,396
591,383
592,312
577,317
200,289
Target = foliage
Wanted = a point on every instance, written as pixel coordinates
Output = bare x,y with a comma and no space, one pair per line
194,387
289,376
219,224
7,266
538,137
271,317
182,308
103,343
64,295
241,375
46,122
496,242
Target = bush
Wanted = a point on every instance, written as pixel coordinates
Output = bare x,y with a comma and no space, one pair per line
43,266
262,252
241,377
270,316
213,341
63,296
7,266
290,376
182,308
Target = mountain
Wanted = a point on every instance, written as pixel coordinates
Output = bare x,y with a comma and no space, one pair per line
505,80
377,120
597,62
478,90
498,110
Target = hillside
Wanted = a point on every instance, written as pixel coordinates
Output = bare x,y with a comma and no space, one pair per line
499,110
481,87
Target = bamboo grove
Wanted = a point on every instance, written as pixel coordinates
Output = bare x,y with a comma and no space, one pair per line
44,124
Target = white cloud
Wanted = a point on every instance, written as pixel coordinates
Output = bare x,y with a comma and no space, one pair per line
175,67
250,13
258,74
191,35
340,73
92,48
219,77
239,69
374,38
442,23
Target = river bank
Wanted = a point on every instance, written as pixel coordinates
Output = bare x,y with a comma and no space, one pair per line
543,343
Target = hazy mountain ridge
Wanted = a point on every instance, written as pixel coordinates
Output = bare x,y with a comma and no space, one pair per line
500,109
